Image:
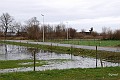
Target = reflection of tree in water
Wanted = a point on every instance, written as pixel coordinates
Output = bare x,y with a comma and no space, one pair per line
1,45
10,51
1,48
6,54
33,50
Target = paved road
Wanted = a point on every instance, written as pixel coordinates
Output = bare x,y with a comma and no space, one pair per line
113,49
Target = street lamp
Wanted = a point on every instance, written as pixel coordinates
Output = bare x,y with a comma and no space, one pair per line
67,30
43,29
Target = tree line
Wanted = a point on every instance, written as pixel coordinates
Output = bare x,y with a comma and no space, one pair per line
34,30
108,33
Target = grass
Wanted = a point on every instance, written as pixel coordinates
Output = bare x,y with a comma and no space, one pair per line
5,64
111,73
90,42
110,56
19,63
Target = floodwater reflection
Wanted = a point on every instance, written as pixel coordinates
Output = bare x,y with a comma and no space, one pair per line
12,52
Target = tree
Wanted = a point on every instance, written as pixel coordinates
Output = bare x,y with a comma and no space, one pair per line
116,34
6,22
60,31
72,32
109,33
33,29
94,34
104,32
17,27
32,21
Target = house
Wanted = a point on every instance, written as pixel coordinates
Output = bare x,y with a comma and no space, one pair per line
86,33
10,34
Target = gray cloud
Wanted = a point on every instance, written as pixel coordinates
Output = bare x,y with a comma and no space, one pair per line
76,11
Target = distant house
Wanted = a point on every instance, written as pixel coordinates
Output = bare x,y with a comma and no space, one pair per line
86,33
23,34
10,34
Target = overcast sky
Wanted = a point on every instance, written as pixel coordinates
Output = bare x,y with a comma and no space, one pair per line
80,14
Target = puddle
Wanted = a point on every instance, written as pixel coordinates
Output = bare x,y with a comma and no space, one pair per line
12,52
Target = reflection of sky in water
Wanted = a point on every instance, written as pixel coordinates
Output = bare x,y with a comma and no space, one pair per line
10,52
17,52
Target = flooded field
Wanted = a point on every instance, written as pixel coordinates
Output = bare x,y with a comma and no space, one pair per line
55,60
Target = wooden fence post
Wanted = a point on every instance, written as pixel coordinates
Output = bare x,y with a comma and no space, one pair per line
71,51
51,47
96,56
101,61
34,60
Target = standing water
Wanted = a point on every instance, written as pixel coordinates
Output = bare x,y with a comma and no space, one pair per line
12,52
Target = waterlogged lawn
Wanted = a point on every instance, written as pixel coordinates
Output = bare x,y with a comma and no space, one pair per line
27,63
20,63
111,73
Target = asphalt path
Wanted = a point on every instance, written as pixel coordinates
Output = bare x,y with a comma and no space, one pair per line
112,49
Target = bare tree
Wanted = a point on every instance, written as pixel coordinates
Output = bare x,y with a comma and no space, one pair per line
116,34
58,30
104,32
17,27
33,21
1,32
33,29
109,33
94,34
5,22
72,32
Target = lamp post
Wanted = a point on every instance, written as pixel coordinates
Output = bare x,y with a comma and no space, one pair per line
43,29
67,30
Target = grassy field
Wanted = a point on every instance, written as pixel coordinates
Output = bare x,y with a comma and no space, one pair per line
112,73
89,42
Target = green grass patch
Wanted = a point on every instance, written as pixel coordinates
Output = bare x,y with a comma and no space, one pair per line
111,73
27,63
20,63
89,42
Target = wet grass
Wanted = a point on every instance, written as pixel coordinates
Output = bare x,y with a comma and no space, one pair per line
5,64
19,63
106,55
111,73
89,42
